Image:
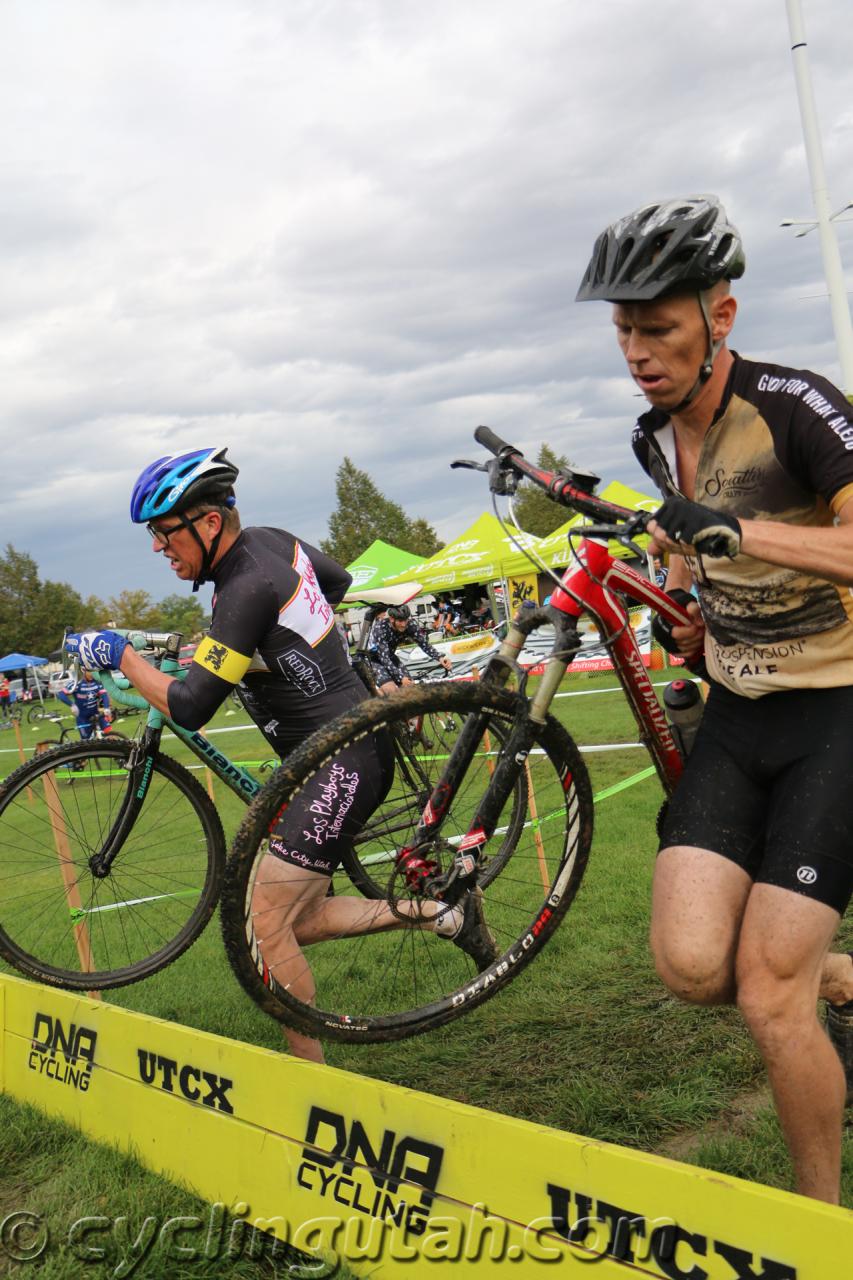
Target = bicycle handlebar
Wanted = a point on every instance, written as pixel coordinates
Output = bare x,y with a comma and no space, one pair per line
572,488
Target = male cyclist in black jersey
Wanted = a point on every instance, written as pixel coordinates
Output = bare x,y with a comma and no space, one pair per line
394,628
755,462
273,635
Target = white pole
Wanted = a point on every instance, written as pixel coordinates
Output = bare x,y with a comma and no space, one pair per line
832,267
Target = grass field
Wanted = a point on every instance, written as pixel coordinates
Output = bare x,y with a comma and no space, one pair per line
588,1041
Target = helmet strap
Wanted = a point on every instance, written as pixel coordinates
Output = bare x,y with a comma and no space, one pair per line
707,368
208,554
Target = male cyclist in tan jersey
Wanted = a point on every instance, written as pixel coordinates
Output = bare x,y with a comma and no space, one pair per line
755,461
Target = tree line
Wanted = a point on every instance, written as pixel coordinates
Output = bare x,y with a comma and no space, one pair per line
34,613
363,514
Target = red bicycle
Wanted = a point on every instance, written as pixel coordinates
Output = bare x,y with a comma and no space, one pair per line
384,986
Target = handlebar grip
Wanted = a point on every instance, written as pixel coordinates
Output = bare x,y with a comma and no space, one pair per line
486,437
718,545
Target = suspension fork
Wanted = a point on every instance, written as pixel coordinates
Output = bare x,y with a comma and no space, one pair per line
140,771
512,759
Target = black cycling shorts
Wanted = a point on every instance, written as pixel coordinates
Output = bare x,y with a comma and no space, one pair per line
769,785
321,822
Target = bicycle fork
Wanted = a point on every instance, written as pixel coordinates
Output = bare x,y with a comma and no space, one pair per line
413,860
420,870
140,771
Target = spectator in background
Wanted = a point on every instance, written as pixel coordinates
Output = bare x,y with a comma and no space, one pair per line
5,697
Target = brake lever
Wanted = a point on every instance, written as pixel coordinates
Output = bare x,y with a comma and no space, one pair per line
632,547
502,479
469,465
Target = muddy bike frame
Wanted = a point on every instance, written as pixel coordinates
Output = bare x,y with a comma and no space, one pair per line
596,583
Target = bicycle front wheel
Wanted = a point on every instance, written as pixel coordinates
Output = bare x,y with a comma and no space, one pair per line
62,924
363,971
422,747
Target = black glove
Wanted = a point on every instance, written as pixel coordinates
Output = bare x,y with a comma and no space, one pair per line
662,627
711,532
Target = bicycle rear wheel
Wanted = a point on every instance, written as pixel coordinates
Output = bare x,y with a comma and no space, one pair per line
422,747
373,986
61,924
37,713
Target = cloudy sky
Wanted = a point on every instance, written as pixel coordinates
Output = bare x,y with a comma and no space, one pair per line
310,228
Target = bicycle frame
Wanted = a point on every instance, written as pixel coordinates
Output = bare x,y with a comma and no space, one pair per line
146,750
589,587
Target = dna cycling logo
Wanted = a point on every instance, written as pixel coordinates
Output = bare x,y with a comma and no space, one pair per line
64,1053
375,1173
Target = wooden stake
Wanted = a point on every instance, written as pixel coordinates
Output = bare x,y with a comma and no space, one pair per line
69,877
208,775
487,738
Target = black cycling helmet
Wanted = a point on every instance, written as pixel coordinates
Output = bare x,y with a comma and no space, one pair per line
399,612
675,246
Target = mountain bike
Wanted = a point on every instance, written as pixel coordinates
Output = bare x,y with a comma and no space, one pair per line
112,853
386,986
422,744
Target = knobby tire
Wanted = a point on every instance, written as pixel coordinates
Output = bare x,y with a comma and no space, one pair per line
389,985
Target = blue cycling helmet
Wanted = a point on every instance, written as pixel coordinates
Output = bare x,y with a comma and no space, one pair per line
180,480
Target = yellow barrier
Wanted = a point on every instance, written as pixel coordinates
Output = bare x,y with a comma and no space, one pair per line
391,1180
473,645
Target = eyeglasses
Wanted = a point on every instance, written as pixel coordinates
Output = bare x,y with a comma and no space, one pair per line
162,536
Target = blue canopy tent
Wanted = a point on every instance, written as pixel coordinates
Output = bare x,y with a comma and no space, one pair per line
19,662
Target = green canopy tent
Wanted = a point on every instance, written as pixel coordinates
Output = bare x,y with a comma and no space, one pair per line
380,561
553,551
477,555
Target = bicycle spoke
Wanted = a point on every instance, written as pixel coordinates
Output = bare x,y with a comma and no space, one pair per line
346,973
56,916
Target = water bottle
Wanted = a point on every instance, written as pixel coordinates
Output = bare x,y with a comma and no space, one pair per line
684,707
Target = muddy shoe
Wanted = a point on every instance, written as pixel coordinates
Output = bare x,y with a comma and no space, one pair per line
475,937
839,1026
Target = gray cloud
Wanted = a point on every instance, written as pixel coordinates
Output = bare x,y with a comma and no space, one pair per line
354,227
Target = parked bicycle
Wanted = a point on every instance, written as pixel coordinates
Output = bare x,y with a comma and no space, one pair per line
13,717
387,986
37,712
69,733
